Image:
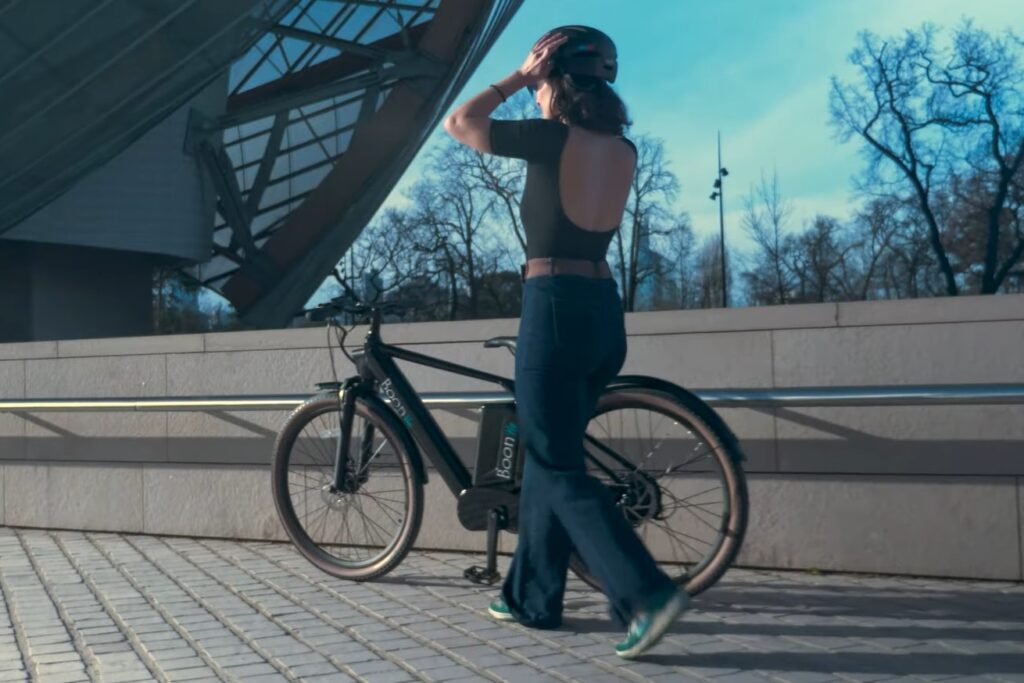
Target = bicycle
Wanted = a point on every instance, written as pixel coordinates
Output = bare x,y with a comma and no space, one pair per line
331,478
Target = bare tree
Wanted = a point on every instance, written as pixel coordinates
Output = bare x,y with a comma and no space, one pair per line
176,306
765,219
394,249
873,231
817,259
676,278
709,272
654,188
929,114
502,178
454,217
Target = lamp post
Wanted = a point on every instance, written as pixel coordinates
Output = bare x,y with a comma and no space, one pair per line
717,194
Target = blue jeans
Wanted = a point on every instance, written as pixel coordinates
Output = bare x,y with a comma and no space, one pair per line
571,343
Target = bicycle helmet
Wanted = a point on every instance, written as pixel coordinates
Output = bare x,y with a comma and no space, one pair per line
588,53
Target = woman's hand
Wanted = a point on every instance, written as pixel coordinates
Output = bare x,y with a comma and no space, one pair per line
538,63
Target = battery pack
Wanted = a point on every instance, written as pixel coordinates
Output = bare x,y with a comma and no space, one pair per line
499,458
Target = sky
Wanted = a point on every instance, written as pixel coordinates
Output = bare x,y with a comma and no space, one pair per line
757,70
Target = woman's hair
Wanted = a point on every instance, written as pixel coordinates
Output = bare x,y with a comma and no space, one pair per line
588,102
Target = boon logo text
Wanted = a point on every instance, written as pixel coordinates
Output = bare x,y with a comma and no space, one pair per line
388,390
507,456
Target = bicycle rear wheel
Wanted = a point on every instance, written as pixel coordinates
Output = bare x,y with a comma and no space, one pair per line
365,529
675,476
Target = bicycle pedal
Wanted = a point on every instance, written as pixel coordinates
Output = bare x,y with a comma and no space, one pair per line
480,575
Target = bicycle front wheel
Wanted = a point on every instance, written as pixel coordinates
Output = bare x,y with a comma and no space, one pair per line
364,529
677,479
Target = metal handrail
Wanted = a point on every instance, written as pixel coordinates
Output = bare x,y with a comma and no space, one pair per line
909,395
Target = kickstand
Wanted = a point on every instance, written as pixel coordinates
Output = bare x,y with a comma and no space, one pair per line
496,521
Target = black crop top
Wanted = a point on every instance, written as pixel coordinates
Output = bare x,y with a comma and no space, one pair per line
549,232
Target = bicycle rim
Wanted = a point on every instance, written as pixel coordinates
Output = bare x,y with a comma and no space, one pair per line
675,479
365,529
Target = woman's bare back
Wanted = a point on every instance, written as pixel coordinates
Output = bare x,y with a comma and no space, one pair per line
595,176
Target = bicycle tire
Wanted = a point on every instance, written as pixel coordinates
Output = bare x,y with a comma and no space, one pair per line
727,457
375,413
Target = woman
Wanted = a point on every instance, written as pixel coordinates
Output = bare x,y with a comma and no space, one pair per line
572,338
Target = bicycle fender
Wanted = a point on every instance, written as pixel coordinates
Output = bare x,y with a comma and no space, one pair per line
684,396
403,433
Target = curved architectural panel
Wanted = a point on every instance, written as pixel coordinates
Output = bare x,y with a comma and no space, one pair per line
80,80
324,114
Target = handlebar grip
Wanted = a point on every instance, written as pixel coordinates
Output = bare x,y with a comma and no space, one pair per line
319,314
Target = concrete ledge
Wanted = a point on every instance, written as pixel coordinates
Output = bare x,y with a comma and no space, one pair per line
731,319
25,350
96,377
95,497
963,440
12,379
867,313
130,346
26,495
457,332
229,502
960,309
858,489
928,526
734,359
264,340
944,353
1020,522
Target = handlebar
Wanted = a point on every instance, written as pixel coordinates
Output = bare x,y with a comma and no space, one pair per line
348,304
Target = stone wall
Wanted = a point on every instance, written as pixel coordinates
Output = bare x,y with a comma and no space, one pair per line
916,490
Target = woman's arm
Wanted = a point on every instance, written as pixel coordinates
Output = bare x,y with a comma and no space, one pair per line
470,123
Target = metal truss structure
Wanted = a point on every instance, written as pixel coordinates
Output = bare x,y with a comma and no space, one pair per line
80,80
328,101
325,112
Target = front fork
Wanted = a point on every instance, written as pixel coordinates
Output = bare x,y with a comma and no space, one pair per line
347,475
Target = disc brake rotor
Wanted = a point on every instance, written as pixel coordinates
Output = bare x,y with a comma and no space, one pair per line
639,498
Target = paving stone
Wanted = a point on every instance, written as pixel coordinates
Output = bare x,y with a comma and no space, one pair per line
127,676
755,626
193,674
316,669
371,666
450,673
399,676
251,670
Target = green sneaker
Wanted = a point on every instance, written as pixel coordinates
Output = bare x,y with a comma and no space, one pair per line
648,627
499,610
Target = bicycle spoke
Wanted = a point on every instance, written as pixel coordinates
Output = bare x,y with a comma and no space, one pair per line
366,536
679,536
384,506
367,518
715,525
649,440
366,464
326,458
685,502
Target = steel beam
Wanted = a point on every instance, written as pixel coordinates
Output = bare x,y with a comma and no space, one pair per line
363,50
419,68
389,5
270,154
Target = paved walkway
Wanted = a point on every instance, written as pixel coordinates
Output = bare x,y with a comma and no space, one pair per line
118,608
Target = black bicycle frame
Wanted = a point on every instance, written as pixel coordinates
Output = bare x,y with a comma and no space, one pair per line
378,360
